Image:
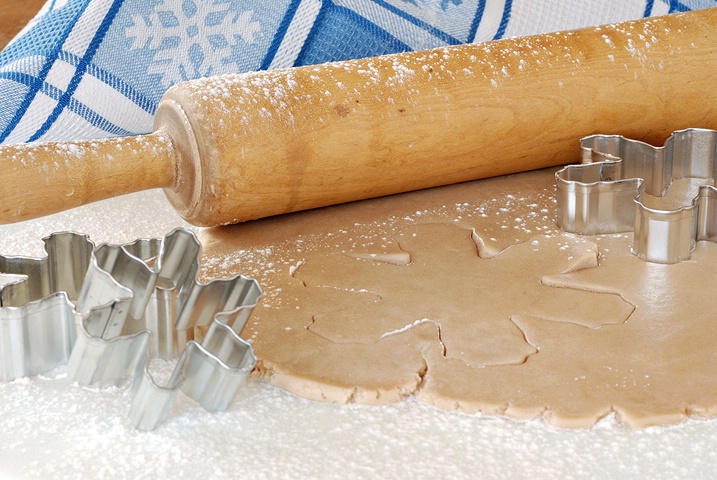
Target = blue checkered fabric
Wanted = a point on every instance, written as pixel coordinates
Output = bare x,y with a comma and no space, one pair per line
96,68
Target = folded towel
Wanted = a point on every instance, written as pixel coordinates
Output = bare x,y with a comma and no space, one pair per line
96,68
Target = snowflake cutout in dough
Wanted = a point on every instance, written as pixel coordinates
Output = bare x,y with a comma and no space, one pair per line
441,279
191,38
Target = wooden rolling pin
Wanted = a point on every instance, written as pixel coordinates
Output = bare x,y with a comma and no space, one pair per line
239,147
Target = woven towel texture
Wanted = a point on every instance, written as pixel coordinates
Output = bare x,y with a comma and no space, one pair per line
96,68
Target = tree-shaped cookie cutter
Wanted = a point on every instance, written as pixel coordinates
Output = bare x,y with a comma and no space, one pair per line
605,193
134,302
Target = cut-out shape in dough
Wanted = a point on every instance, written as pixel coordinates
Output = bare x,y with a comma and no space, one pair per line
469,298
653,369
653,365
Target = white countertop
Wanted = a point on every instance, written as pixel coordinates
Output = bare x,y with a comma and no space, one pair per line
53,429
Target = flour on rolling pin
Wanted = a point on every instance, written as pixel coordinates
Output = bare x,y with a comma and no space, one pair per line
240,147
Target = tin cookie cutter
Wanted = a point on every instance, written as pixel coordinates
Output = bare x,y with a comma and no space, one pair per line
133,303
605,193
37,319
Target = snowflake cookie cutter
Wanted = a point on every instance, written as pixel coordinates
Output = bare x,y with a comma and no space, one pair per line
134,303
605,193
37,317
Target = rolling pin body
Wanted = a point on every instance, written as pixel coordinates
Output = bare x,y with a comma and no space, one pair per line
239,147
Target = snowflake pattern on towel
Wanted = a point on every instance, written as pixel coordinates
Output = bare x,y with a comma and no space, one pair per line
96,68
191,38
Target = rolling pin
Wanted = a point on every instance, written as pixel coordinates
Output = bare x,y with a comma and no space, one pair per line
238,147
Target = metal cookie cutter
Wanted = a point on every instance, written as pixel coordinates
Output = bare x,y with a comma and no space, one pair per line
137,302
37,318
604,194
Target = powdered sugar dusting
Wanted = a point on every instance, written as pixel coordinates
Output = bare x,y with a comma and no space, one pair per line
53,429
74,433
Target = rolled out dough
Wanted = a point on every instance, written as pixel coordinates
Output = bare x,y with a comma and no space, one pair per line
470,298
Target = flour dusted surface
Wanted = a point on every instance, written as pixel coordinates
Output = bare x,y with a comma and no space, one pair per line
54,429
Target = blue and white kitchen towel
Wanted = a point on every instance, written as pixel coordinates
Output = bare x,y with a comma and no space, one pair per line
96,68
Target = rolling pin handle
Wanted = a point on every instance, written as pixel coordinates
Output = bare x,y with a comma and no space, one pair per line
44,178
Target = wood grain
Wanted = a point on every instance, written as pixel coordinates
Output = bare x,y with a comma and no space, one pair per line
241,147
283,141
